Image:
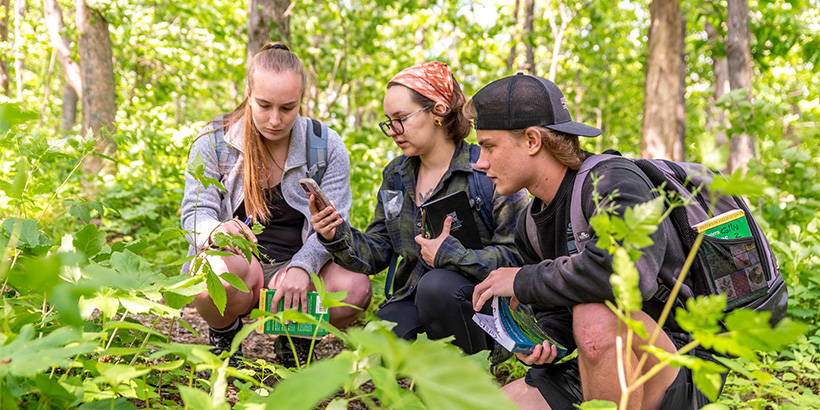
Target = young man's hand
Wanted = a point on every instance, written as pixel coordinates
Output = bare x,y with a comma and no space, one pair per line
543,354
498,283
324,221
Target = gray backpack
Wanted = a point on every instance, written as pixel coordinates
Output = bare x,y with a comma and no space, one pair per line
744,269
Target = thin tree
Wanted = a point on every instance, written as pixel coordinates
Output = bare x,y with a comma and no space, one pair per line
739,62
513,41
529,35
662,89
72,89
268,20
4,38
716,122
19,63
97,76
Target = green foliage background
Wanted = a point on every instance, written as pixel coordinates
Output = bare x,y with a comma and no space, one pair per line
178,65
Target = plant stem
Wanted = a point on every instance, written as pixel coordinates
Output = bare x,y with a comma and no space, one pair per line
619,355
113,334
673,296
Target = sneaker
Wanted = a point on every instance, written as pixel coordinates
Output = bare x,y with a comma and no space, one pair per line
221,340
284,352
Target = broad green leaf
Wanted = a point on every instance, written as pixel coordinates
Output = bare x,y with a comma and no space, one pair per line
306,388
11,114
198,399
217,291
175,300
80,212
235,281
89,240
26,231
598,405
625,281
109,404
125,262
435,366
114,374
18,186
28,355
133,326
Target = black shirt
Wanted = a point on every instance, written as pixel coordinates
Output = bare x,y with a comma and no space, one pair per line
282,236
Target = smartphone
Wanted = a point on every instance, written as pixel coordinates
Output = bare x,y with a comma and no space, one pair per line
309,186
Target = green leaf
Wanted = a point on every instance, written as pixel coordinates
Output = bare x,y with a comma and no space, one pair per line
11,114
625,281
109,404
25,232
235,281
435,367
216,291
198,399
598,405
89,240
175,300
125,262
306,388
19,184
26,355
80,212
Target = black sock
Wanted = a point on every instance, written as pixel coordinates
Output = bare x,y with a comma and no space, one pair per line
232,328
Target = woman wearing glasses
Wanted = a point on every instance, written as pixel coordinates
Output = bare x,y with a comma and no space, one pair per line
434,282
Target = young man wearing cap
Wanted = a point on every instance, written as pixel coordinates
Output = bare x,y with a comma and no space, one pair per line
529,140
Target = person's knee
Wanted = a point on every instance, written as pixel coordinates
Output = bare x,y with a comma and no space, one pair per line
595,329
437,285
360,291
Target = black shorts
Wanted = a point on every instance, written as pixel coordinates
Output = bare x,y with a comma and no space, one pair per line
560,385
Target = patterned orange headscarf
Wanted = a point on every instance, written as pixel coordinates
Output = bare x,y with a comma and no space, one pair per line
433,80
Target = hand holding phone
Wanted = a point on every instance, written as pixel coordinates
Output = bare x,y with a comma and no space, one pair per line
310,187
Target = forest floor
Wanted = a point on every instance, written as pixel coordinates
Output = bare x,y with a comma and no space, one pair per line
260,346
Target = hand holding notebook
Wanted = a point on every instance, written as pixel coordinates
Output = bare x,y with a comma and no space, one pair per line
463,226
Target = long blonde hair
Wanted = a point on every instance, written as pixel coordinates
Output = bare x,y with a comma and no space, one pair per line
274,57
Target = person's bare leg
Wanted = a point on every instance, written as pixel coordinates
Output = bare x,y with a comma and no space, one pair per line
238,302
358,289
595,328
525,396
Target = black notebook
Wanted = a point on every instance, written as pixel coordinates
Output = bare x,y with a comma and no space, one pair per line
463,226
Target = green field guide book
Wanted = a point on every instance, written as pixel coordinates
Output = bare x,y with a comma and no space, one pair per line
728,225
314,308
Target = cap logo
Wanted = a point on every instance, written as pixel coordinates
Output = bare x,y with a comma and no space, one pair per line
564,103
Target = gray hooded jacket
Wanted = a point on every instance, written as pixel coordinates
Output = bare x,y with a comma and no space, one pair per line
203,209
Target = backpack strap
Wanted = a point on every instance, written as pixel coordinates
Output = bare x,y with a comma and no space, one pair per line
578,222
481,189
532,232
316,150
394,260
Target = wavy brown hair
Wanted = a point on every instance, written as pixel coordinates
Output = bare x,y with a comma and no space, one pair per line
566,148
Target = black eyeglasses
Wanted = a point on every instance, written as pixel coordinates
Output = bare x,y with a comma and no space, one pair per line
396,125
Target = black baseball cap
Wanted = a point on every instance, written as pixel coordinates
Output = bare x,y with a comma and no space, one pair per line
520,101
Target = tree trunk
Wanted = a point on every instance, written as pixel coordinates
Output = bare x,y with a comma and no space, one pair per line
679,145
739,63
268,20
513,42
662,88
558,32
69,115
4,37
716,122
56,30
529,24
19,64
97,75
